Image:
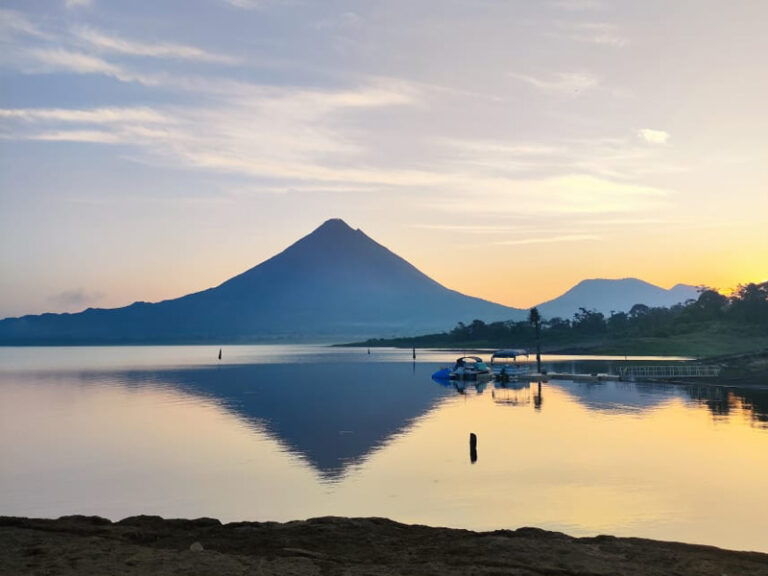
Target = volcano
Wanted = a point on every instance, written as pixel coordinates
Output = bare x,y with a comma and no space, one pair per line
334,282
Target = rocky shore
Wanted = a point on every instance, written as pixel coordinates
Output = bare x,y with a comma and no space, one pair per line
330,546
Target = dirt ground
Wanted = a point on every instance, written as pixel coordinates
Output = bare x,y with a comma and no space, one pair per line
335,546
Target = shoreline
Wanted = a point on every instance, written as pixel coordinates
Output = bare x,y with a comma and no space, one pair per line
336,545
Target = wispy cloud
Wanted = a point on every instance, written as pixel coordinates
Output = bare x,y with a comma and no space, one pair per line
13,22
600,33
76,298
470,228
549,239
78,62
290,135
85,136
489,147
283,137
579,5
561,82
246,4
48,60
77,3
90,116
282,133
342,21
113,43
653,136
574,194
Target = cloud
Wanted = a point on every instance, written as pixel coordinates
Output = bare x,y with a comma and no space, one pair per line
47,60
77,298
653,136
90,116
574,194
86,136
346,20
13,22
579,5
113,43
285,133
600,33
77,3
549,239
246,4
562,82
289,138
487,147
61,59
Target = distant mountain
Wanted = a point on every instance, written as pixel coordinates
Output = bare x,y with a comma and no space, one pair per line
334,282
614,295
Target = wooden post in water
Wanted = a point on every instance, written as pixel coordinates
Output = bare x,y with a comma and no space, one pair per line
472,447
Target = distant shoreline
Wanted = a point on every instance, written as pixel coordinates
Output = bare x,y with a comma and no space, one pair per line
152,545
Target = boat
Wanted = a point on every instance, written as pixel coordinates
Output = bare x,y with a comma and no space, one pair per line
505,366
442,376
470,368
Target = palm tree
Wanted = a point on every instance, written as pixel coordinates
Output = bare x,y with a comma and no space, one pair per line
535,319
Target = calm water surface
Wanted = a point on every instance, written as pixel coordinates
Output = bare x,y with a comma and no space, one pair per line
281,433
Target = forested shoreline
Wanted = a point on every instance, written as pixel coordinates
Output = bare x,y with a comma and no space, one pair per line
711,324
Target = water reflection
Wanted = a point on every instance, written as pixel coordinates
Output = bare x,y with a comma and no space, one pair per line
512,392
334,416
330,415
538,400
284,440
626,397
722,401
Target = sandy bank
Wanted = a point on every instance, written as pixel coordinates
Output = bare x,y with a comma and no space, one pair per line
151,545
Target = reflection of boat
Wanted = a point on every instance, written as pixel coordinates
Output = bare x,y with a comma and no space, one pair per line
504,363
463,386
512,384
512,394
470,368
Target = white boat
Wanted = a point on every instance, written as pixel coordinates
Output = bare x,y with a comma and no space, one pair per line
470,368
504,363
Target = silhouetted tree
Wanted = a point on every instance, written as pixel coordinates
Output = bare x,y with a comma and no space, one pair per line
589,321
618,323
750,303
638,311
710,304
534,318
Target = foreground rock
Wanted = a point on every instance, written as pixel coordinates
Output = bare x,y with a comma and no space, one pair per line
329,546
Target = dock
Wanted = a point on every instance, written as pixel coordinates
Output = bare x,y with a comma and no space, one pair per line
668,373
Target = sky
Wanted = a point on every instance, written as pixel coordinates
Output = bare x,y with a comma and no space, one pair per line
508,149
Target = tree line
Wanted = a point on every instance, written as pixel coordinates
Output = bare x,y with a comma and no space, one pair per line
746,307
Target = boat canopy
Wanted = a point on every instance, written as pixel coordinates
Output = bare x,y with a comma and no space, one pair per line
474,358
509,353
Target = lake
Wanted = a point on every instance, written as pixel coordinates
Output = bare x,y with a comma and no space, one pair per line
292,432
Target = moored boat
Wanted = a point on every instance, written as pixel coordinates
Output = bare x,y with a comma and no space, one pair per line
504,363
470,368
